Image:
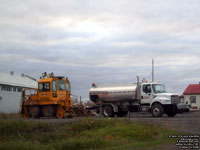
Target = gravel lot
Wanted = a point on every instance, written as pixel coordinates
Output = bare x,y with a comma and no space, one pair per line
188,123
185,122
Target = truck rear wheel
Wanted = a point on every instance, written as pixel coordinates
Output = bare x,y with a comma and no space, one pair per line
34,111
157,110
48,111
60,113
108,111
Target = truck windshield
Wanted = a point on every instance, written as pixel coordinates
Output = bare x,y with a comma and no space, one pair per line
44,86
67,87
158,88
61,85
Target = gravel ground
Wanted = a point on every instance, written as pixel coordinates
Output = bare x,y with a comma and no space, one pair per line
187,123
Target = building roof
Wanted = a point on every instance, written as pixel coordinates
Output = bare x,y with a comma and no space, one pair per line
17,80
192,89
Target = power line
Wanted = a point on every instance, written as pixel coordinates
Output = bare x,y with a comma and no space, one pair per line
190,66
185,75
181,72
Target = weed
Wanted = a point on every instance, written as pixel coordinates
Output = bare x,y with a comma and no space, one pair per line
82,134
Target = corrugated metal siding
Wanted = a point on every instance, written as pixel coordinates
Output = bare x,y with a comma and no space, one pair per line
17,80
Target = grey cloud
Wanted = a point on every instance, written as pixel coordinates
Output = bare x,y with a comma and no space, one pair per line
127,36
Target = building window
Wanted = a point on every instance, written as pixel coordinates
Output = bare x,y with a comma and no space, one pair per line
181,100
14,89
6,88
2,87
19,89
9,88
193,99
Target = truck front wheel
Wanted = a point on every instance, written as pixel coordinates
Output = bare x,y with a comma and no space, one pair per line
108,111
157,110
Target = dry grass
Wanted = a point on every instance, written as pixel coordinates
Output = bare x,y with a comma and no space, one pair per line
10,116
82,134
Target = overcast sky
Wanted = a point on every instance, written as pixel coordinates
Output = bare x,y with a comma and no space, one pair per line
102,41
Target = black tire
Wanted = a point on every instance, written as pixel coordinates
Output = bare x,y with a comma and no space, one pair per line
34,111
97,110
171,114
108,111
122,113
157,110
48,111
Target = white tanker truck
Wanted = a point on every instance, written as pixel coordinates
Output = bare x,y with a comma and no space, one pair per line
136,97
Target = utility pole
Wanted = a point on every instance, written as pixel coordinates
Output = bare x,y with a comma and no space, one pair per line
152,70
80,100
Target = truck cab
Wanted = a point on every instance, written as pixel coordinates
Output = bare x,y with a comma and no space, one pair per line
154,95
53,89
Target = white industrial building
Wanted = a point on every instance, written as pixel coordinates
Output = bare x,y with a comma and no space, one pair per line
11,86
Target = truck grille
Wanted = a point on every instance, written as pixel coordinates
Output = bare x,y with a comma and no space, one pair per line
175,99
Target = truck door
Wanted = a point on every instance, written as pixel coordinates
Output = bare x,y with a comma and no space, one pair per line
146,94
44,91
54,90
61,89
68,88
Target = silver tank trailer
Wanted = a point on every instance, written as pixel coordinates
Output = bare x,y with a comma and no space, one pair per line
113,93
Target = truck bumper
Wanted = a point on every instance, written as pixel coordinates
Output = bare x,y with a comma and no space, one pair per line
170,108
183,108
